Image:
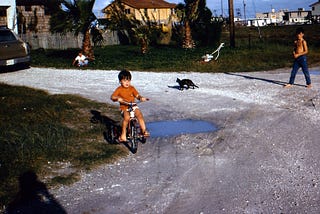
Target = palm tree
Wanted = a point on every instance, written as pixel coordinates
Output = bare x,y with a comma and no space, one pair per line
120,22
75,16
187,13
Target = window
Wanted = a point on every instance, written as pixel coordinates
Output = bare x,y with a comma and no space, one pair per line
3,12
7,36
127,11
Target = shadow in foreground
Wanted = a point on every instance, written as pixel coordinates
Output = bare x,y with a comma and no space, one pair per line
262,79
113,128
33,197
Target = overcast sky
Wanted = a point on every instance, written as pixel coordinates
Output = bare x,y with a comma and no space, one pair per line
221,6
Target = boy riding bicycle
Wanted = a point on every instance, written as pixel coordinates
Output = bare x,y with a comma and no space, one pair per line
127,93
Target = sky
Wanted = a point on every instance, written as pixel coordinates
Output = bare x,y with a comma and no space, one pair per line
219,7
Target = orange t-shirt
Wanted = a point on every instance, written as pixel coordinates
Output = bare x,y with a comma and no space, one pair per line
127,94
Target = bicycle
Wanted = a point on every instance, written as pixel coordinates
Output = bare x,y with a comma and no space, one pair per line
134,134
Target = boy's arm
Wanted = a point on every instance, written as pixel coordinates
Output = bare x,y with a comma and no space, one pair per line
141,98
115,98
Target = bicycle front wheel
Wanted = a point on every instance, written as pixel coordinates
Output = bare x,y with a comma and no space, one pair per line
133,133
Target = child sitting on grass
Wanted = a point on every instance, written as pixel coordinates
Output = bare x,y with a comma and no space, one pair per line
127,93
80,60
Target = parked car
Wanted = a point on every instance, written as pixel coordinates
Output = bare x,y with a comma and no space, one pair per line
13,50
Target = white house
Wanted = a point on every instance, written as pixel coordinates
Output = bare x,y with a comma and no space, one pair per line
299,16
8,14
315,10
272,17
286,17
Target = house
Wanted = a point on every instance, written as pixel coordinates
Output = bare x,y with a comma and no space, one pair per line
33,16
272,17
315,11
158,10
282,17
299,16
8,14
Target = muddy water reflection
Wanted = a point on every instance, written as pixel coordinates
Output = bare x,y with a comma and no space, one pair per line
177,127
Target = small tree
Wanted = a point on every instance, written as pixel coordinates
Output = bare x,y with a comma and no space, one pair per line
75,16
132,30
188,13
119,22
32,25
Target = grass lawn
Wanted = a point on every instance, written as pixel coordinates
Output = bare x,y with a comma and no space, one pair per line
256,49
44,133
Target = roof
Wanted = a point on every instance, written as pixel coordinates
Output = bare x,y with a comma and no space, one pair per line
316,3
139,4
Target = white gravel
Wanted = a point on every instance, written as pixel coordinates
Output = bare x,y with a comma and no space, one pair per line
263,159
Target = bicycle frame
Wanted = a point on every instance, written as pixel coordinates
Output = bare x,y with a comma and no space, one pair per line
133,129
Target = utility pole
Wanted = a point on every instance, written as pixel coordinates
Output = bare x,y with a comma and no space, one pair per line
231,20
221,8
244,12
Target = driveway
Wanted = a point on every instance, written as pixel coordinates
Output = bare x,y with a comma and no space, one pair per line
264,157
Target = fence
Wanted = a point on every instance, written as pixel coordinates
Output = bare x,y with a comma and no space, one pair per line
65,41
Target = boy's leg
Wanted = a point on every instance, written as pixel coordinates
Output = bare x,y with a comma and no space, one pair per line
142,124
294,71
126,117
305,70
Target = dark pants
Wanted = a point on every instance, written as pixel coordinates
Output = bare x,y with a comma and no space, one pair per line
301,61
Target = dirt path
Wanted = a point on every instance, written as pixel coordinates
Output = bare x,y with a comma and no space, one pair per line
263,159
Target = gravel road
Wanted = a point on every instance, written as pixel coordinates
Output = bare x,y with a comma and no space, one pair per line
264,157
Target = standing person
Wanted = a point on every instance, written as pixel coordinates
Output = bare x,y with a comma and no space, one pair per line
80,60
300,59
127,93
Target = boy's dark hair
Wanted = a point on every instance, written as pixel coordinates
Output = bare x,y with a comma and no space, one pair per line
124,74
299,30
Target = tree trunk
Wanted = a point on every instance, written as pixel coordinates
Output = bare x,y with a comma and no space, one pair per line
143,45
188,41
86,46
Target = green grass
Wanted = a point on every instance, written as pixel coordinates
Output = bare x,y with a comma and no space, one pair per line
252,53
43,132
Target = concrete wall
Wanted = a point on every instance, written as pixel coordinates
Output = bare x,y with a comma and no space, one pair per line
10,6
64,41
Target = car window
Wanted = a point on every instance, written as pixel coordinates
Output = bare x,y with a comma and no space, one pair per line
7,36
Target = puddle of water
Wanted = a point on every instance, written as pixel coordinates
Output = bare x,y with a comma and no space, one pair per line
177,127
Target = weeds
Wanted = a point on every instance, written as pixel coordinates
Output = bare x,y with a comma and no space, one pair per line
40,132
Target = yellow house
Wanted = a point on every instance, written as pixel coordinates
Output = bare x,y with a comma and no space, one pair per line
160,11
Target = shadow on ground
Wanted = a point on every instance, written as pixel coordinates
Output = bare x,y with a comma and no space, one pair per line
33,197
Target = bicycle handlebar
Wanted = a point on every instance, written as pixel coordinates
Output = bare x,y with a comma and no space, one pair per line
131,103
